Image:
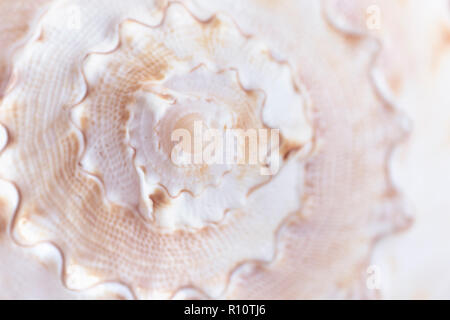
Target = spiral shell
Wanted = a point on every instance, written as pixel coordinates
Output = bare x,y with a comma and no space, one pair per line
96,91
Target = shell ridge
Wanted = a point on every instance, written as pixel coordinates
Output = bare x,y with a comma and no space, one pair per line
400,214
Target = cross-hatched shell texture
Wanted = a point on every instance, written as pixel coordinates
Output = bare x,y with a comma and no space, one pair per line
18,18
88,123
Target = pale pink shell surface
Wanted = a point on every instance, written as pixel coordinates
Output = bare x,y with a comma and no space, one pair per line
93,206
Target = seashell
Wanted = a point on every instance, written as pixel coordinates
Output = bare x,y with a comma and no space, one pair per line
96,192
413,69
18,18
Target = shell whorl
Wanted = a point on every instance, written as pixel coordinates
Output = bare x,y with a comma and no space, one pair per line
87,145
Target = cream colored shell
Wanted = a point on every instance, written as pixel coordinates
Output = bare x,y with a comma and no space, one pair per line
87,186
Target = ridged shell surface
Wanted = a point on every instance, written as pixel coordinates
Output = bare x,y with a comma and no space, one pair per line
92,204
